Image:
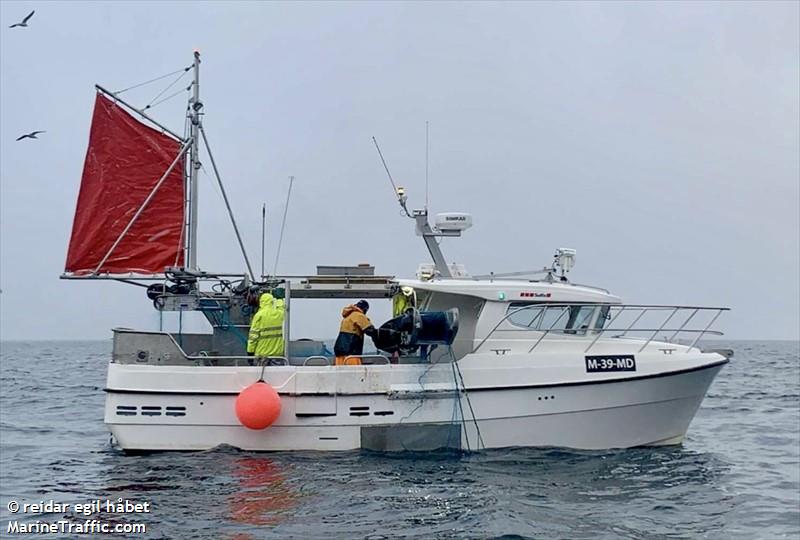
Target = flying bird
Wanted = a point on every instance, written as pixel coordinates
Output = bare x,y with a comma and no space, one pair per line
31,135
24,22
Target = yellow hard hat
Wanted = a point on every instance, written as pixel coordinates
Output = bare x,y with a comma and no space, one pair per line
408,291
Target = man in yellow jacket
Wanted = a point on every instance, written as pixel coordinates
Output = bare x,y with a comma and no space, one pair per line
266,328
403,300
350,341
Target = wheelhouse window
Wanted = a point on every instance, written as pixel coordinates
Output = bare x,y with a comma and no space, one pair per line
574,319
602,317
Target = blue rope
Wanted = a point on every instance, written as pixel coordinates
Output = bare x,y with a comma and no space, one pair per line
219,316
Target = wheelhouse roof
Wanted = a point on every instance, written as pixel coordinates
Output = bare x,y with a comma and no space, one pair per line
494,290
516,290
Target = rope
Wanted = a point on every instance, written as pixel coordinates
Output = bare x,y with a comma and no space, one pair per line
222,320
421,402
469,401
263,366
181,76
154,80
460,406
453,417
168,97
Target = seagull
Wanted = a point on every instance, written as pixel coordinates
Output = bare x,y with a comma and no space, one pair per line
24,22
31,135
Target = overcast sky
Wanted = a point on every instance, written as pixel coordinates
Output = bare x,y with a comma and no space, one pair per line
658,139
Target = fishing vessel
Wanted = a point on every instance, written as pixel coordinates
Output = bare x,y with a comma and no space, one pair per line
477,362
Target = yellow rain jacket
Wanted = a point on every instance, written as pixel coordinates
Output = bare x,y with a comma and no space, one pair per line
351,335
266,328
402,301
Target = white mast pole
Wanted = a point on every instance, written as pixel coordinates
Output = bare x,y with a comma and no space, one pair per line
194,165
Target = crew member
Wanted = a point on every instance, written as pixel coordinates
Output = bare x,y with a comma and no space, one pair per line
350,341
266,328
279,294
403,300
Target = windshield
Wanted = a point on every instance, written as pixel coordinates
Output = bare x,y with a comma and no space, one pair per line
565,319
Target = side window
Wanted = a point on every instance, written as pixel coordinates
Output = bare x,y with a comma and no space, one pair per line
553,319
525,315
566,319
602,317
579,318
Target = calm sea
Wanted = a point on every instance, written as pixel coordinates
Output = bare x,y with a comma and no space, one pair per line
736,476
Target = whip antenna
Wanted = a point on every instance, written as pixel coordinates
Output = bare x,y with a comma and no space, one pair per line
283,225
263,234
427,168
400,192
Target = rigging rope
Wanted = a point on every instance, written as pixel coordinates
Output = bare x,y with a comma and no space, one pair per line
181,76
153,80
168,97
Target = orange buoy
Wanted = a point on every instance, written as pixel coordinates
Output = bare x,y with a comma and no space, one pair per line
258,405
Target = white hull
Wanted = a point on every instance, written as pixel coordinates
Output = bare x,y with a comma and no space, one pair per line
647,409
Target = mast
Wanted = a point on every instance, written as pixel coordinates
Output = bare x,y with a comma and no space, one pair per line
429,236
195,106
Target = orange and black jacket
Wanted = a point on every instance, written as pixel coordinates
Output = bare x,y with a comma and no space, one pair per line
351,333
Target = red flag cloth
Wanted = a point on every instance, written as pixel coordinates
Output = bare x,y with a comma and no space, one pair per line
124,162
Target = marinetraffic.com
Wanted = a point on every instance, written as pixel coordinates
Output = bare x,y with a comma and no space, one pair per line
74,525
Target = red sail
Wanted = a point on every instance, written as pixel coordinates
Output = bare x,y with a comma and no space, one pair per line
124,162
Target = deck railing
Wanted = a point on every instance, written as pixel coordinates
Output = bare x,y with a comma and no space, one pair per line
680,313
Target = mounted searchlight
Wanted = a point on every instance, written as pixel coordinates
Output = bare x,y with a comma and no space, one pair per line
453,222
564,259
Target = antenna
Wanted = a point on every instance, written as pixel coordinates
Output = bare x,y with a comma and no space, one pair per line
427,168
283,226
263,234
400,192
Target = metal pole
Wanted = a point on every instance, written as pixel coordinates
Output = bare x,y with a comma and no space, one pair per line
646,343
144,205
644,310
564,311
263,235
227,204
678,331
430,242
601,331
137,111
287,306
397,193
701,334
194,165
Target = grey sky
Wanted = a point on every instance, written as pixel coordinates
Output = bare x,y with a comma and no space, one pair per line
660,140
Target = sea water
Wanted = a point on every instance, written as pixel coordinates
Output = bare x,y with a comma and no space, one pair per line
737,475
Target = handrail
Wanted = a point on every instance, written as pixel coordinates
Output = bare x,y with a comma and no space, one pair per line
673,310
563,312
362,356
704,330
660,328
634,321
259,360
317,357
600,333
684,324
585,331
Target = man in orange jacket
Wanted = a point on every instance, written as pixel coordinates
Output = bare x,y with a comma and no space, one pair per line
350,341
